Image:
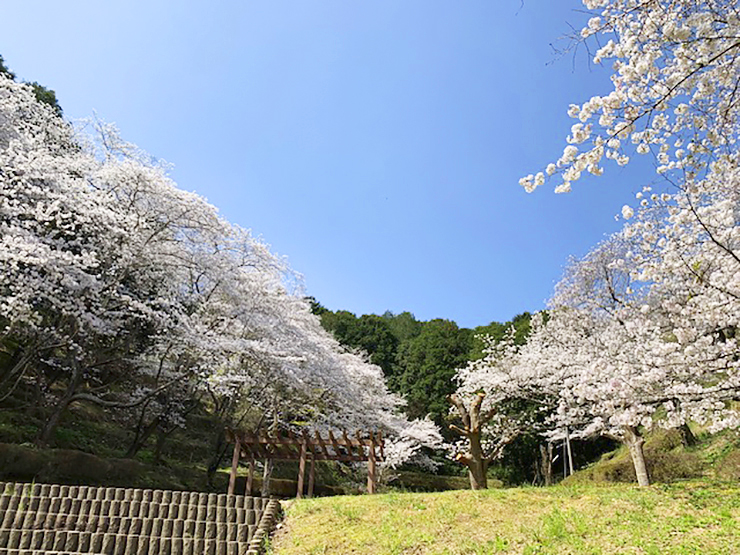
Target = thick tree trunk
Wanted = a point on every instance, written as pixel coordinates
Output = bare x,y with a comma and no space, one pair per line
477,464
474,458
635,443
477,475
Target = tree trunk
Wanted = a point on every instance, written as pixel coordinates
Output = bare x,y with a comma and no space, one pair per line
472,420
217,457
687,436
569,451
477,464
141,438
266,475
477,475
16,369
475,461
53,421
635,442
159,445
546,463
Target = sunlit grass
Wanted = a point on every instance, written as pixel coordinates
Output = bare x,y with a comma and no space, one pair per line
685,518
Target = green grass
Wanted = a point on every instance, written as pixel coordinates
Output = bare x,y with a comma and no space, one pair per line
677,519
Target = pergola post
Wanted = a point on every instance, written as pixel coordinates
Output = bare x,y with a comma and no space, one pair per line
301,469
234,464
250,478
311,475
371,479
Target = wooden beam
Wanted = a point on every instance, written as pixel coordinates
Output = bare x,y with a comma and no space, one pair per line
250,478
371,479
234,465
343,448
335,445
301,471
348,442
311,475
321,444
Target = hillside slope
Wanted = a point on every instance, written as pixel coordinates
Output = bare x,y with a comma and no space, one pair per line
682,518
670,459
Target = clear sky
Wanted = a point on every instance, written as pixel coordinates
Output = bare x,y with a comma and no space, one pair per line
377,145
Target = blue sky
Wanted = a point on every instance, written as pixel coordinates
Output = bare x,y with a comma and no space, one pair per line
378,145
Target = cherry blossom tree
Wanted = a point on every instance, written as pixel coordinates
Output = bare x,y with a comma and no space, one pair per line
616,356
624,357
645,326
121,290
496,402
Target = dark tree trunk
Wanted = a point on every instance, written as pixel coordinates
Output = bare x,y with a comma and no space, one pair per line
62,405
159,446
141,438
219,450
546,463
16,368
688,438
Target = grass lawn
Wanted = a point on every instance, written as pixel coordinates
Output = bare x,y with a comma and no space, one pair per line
663,519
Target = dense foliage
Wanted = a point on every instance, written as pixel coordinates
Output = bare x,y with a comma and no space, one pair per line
122,291
419,358
421,361
641,332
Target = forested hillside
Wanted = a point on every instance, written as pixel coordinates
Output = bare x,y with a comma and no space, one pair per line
419,358
421,361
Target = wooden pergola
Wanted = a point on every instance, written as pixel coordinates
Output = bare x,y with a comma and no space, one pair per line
305,447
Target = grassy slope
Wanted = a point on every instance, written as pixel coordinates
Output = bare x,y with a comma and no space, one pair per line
716,457
681,518
588,513
90,444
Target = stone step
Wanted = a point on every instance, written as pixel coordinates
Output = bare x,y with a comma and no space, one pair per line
42,509
160,528
10,490
31,519
35,552
76,520
44,541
